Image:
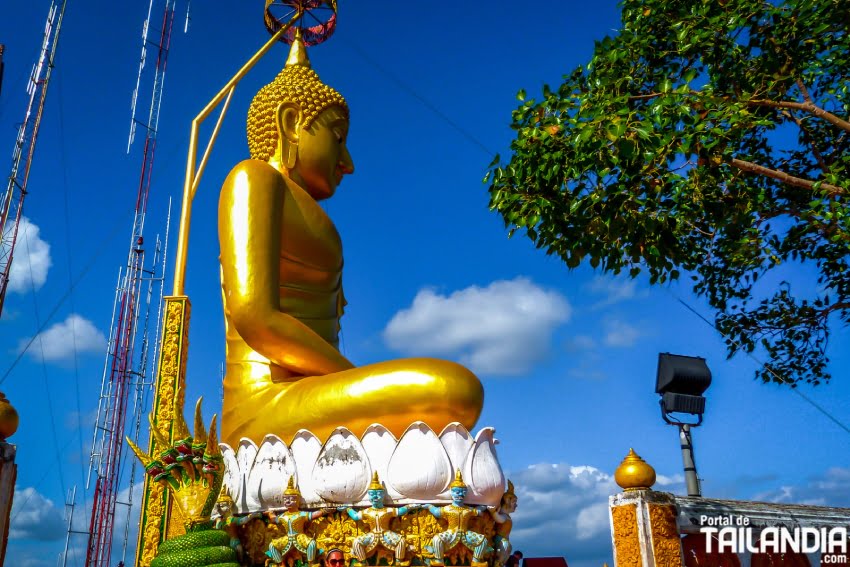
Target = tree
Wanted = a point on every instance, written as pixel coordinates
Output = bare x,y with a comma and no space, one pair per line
710,139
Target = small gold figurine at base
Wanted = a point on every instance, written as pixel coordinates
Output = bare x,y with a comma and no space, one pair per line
295,539
230,524
377,518
458,533
504,524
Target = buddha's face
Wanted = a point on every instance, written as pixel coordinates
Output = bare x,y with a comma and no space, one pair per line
323,157
376,497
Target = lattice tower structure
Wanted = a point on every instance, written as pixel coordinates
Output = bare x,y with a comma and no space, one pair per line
12,206
126,368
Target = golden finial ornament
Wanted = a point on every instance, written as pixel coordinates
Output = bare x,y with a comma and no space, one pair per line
298,51
458,481
376,483
291,489
634,473
8,418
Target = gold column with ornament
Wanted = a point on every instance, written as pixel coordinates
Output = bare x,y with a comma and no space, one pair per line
157,522
643,522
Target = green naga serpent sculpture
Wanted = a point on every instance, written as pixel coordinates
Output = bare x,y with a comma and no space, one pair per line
192,469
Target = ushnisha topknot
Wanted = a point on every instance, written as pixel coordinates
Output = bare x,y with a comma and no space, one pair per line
297,83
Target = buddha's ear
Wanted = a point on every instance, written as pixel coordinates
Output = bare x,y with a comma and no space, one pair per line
288,121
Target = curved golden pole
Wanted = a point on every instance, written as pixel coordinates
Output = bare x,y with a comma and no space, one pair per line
192,176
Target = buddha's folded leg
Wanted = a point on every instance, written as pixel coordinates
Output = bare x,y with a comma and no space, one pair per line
393,393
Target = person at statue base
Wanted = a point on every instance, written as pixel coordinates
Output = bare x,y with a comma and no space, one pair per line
377,518
295,521
334,558
458,516
281,280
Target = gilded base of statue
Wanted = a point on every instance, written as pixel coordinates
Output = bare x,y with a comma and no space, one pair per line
337,530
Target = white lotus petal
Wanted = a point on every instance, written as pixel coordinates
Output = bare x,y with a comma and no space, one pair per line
379,443
269,474
482,472
245,454
232,474
458,442
419,467
305,449
342,470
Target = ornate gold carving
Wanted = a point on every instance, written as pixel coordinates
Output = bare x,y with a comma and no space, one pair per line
666,545
626,537
156,524
338,530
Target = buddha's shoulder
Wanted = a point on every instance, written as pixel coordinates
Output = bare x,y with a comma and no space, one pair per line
254,172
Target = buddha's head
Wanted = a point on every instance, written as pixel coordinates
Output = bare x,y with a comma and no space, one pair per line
300,126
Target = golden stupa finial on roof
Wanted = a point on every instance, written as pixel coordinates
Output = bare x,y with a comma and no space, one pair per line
634,473
298,51
8,418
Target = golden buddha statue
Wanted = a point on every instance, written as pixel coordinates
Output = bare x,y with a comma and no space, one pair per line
281,278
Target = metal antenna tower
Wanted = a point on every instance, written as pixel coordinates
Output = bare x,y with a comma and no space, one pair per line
12,205
125,369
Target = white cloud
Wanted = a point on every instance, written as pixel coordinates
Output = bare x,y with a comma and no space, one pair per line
59,341
618,333
31,259
831,488
563,511
503,328
35,517
612,290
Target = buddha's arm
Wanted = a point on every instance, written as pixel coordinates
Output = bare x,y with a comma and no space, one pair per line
249,226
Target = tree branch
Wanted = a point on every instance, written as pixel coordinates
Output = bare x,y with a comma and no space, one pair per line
784,177
807,137
804,91
806,106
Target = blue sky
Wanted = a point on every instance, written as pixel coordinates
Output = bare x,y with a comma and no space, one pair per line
569,378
